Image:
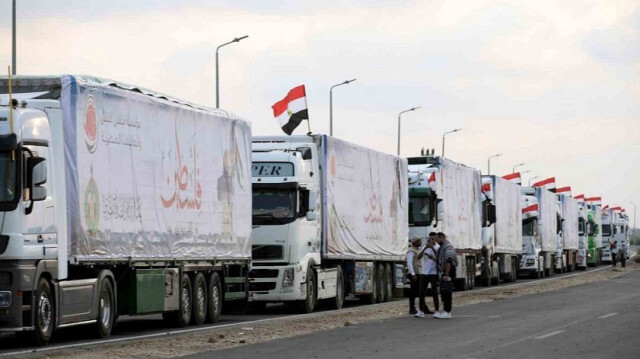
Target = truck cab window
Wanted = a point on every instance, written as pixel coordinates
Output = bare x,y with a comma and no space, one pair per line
274,206
419,211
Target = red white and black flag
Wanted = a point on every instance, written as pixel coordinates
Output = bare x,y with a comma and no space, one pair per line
564,190
291,110
513,177
549,183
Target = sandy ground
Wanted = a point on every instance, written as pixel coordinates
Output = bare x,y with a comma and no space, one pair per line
197,342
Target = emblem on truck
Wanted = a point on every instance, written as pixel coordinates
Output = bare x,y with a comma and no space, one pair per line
92,205
90,124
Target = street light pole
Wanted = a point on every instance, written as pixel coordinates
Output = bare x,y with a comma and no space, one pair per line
518,165
534,177
13,40
399,117
331,104
446,133
489,162
237,39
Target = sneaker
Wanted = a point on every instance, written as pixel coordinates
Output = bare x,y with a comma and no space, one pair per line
437,314
412,311
445,315
420,314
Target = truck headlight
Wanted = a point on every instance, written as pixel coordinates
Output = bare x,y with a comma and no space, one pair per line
287,278
5,299
589,255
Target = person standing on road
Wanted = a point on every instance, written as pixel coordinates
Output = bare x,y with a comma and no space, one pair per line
614,253
429,276
414,267
447,263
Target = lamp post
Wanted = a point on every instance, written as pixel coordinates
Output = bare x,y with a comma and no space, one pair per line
527,171
446,133
532,178
331,104
13,40
399,117
489,162
518,165
237,39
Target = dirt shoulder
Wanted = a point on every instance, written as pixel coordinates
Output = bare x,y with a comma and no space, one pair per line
222,338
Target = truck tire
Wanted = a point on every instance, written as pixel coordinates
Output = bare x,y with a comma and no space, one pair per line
44,313
382,285
182,317
200,300
106,308
214,302
388,275
338,300
373,297
308,304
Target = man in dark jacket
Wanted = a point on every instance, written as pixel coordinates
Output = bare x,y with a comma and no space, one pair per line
447,262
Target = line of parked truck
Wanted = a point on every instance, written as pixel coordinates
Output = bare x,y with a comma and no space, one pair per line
117,200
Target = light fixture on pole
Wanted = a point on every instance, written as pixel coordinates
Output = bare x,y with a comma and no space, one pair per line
527,171
489,162
532,178
331,104
399,116
446,133
237,39
518,165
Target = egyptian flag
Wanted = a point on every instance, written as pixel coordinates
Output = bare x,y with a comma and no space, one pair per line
564,190
291,110
597,201
580,198
513,177
549,183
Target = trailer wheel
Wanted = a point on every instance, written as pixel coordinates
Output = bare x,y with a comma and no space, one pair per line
382,285
200,299
388,274
309,304
373,297
106,308
186,302
338,301
214,293
44,313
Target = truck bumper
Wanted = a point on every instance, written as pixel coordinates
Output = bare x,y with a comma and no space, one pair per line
606,255
16,281
266,284
529,264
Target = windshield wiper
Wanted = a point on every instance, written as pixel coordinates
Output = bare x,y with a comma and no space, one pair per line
270,215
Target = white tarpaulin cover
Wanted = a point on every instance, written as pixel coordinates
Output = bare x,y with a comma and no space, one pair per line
458,187
548,204
148,177
365,202
508,238
570,223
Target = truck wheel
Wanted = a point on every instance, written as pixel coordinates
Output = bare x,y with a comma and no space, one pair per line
200,299
44,313
214,302
106,308
382,285
338,301
309,304
186,302
472,273
373,297
388,274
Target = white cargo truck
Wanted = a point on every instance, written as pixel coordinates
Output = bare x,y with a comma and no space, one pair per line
583,233
607,234
446,197
502,240
329,219
540,227
118,201
570,237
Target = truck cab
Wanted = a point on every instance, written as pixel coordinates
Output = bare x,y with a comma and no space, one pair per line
422,197
594,232
607,235
532,260
583,233
286,228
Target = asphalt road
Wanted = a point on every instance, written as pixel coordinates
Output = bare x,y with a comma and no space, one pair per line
132,328
599,320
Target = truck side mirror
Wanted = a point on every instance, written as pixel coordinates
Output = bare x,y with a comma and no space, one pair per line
313,197
36,177
312,216
491,213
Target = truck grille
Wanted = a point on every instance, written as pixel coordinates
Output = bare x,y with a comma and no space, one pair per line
262,286
266,252
263,273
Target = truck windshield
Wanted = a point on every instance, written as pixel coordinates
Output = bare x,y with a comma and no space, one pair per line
581,228
273,206
419,211
7,178
606,230
529,227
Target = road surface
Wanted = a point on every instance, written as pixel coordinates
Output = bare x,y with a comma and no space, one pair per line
599,320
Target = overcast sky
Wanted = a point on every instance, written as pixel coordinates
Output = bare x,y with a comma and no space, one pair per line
555,84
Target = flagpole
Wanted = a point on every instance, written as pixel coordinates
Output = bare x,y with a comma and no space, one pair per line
309,127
